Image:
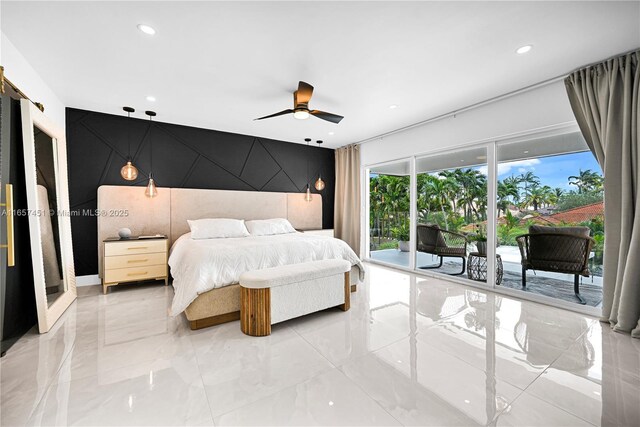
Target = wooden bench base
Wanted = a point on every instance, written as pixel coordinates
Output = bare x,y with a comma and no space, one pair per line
255,308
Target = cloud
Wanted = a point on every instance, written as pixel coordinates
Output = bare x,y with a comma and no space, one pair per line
506,168
521,166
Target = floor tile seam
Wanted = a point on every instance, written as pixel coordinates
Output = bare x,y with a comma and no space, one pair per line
272,393
150,359
313,347
545,400
49,384
559,408
499,413
340,368
373,399
560,350
483,370
206,393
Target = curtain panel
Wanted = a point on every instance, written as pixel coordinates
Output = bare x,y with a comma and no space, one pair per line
605,101
347,204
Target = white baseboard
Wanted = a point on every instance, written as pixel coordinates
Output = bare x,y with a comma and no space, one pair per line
90,280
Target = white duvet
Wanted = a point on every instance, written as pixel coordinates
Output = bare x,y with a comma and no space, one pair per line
198,266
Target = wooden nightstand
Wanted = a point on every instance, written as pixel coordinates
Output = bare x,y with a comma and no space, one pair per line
134,259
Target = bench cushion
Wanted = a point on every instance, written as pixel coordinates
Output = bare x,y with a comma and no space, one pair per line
293,273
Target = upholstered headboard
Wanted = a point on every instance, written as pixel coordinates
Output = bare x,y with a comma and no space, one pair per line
127,206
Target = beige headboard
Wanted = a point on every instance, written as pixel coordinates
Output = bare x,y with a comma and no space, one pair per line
169,211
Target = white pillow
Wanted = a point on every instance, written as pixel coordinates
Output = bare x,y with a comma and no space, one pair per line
216,228
268,227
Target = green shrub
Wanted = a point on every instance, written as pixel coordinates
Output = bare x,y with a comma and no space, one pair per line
401,232
388,245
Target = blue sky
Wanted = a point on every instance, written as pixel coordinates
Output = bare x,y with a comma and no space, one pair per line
552,171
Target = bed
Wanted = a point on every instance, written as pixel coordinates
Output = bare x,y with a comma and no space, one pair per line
214,298
206,272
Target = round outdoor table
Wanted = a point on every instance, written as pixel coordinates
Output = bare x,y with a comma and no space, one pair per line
477,267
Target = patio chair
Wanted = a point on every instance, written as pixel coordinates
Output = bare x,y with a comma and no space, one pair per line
558,250
433,240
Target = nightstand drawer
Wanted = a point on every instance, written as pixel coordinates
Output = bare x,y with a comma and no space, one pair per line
135,273
140,260
135,247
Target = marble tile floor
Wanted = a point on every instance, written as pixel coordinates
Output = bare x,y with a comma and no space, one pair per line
411,351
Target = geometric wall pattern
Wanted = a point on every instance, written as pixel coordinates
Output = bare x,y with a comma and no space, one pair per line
181,156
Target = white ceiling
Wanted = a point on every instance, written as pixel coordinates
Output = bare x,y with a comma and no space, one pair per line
219,65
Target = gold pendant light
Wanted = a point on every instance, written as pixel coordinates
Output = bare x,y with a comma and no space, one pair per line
128,171
319,182
152,190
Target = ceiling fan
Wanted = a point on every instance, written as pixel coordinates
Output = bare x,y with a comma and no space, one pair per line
301,110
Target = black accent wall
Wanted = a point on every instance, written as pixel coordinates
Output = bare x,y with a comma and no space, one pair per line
185,157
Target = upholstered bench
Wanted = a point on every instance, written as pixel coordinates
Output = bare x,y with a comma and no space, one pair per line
273,295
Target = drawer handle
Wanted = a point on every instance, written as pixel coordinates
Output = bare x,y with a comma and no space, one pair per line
137,260
137,274
135,248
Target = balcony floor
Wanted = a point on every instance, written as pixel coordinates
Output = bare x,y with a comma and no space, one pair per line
554,285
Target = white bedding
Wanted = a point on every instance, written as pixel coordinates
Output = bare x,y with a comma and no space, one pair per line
198,266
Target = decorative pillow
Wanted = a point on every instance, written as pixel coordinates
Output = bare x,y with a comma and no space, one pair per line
216,228
268,227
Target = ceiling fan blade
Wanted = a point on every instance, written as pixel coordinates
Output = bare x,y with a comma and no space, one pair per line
303,94
281,113
334,118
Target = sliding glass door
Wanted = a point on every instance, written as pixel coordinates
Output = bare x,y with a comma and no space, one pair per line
550,218
543,237
389,213
451,204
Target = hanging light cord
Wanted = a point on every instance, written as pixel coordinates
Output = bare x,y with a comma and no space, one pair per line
150,147
128,138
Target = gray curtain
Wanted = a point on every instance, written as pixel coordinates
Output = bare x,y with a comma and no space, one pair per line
605,99
347,204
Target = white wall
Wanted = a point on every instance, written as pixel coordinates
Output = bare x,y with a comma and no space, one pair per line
537,109
21,73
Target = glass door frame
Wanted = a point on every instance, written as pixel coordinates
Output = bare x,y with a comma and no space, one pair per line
492,175
366,212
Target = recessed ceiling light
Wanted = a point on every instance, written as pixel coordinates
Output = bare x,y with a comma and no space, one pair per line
151,98
146,29
393,106
524,49
481,157
331,133
526,151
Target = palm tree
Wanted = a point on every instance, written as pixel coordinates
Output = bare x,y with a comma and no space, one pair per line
586,181
515,182
506,189
558,193
529,179
535,197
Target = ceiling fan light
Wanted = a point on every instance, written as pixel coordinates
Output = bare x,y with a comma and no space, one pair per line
301,114
129,172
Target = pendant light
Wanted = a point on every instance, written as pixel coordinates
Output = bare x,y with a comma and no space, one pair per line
128,171
307,195
319,182
152,190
